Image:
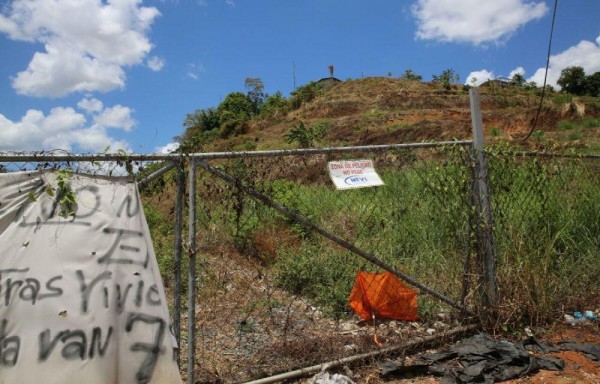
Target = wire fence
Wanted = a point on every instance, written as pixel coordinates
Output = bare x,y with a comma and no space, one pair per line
264,273
281,248
546,209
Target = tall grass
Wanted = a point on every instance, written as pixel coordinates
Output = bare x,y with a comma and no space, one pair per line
546,229
547,236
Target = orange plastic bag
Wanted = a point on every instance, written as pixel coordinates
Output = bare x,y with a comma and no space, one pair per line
383,295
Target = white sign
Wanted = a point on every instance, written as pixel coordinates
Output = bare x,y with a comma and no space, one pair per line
81,299
353,174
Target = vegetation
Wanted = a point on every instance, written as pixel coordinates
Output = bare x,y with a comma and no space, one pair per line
546,228
306,136
447,78
409,74
574,80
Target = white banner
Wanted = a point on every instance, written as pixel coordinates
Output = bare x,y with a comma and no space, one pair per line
353,174
81,299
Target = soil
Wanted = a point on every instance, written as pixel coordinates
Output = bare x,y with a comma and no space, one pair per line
578,368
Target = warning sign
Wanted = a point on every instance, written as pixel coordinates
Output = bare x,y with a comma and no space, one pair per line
353,174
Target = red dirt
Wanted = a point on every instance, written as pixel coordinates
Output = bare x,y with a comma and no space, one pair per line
578,368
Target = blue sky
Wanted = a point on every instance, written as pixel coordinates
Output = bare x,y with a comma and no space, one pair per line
83,75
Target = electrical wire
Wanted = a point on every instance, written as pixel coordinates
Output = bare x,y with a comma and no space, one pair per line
537,115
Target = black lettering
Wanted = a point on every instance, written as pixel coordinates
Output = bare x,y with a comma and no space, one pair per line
9,347
152,296
122,298
7,294
146,370
55,291
131,211
138,294
9,286
47,345
74,349
86,289
121,235
30,291
105,290
90,210
96,339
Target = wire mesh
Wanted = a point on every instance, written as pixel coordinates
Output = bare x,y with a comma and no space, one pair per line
546,209
273,293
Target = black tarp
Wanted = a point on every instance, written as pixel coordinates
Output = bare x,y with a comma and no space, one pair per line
481,359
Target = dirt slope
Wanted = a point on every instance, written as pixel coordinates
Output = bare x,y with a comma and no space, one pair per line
388,110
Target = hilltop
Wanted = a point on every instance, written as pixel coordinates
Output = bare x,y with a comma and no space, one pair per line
381,110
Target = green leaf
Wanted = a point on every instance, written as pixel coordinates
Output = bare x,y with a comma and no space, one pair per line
31,197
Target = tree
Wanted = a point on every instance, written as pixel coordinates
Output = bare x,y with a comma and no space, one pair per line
202,120
592,85
304,94
409,74
531,85
274,104
572,80
237,103
255,91
519,79
447,78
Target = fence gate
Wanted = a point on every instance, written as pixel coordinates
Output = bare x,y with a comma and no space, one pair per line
278,249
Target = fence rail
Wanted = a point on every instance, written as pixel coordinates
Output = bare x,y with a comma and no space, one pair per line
261,285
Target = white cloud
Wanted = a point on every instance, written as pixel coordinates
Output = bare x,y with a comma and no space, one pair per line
64,128
479,77
473,21
90,105
86,43
194,70
518,70
166,149
156,63
231,3
116,117
586,54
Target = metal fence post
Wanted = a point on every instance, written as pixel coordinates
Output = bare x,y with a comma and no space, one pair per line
177,257
192,275
483,213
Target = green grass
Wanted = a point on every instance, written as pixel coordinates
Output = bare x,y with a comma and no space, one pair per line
546,229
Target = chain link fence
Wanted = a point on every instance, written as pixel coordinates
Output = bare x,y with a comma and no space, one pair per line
279,250
261,286
546,209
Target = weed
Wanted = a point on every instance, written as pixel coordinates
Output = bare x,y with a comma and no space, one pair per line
590,123
566,125
495,132
375,114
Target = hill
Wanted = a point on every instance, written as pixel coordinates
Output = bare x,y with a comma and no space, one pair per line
391,110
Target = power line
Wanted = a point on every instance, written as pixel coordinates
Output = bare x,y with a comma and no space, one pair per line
537,115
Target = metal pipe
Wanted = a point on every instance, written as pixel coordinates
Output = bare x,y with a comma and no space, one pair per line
146,180
177,258
8,157
558,155
192,275
38,157
352,359
323,232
